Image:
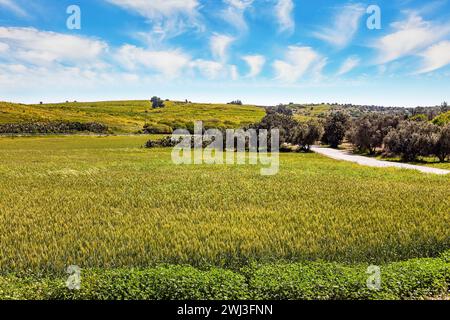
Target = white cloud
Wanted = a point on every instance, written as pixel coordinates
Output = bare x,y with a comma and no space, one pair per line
219,44
169,63
153,9
209,69
234,74
169,17
344,27
284,13
31,46
435,57
235,11
217,68
213,70
14,7
256,63
348,65
297,62
410,37
3,47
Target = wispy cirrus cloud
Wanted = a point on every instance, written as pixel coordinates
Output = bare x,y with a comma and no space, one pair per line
219,44
168,17
217,68
344,27
435,57
154,9
298,61
348,65
409,37
255,63
208,68
12,6
234,73
284,11
234,13
169,63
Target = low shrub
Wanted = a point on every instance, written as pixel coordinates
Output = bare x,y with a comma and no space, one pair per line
52,127
170,142
412,279
166,142
445,256
442,119
157,129
159,283
306,281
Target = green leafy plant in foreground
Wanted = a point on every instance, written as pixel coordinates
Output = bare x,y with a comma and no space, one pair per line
412,279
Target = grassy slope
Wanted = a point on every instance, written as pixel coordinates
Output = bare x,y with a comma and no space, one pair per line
130,116
311,112
107,202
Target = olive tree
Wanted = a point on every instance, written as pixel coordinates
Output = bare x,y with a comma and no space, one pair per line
306,134
411,139
441,147
335,128
367,133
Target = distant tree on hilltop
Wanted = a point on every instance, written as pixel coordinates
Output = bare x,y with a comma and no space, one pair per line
157,103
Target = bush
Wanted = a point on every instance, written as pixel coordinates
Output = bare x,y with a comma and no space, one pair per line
54,127
170,142
157,129
166,142
282,109
335,128
236,102
442,119
419,118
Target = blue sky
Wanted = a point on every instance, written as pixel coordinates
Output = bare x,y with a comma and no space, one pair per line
260,51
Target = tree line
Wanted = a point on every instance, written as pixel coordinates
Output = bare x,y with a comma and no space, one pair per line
390,135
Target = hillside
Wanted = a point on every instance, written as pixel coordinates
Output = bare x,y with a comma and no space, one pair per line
308,112
130,116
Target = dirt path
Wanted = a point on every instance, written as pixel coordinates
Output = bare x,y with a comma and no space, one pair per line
366,161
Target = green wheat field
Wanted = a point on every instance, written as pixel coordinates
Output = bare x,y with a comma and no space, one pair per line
107,202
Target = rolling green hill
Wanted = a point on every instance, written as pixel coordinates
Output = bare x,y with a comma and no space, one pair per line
130,116
305,113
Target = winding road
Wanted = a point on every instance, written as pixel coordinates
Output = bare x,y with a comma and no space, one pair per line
366,161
